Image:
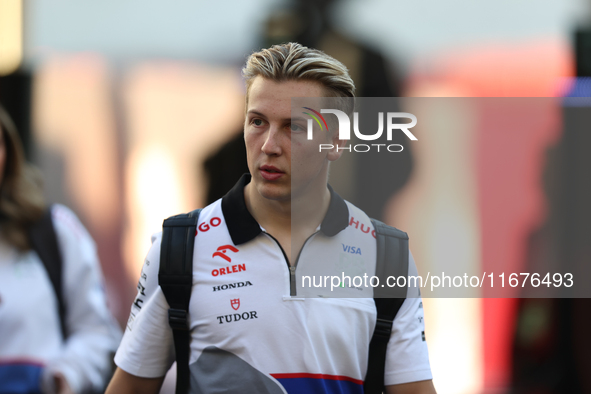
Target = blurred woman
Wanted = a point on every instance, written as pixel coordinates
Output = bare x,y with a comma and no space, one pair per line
43,350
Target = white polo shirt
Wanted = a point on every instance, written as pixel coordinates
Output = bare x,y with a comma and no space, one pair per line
251,326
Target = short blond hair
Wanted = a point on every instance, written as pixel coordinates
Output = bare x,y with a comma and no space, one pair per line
293,61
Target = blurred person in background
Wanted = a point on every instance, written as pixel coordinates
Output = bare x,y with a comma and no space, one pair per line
56,332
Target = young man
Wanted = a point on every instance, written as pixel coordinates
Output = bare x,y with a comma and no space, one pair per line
250,332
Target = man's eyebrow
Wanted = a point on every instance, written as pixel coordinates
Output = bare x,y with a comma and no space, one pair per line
255,112
293,119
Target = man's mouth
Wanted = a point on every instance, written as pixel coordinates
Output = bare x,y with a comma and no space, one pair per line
272,170
271,173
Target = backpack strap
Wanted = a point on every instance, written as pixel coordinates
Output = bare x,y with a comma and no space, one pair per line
391,260
175,277
44,242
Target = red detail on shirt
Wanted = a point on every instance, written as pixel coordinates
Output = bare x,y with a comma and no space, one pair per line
315,376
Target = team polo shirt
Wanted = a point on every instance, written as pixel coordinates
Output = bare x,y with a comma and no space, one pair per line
255,328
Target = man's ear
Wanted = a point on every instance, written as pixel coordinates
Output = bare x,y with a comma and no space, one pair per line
337,149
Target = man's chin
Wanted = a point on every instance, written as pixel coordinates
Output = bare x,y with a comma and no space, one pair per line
275,193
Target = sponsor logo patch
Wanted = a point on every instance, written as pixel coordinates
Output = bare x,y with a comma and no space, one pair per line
237,317
351,249
229,270
221,252
363,227
232,286
138,303
204,226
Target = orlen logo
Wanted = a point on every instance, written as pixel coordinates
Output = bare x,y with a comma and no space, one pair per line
345,129
222,252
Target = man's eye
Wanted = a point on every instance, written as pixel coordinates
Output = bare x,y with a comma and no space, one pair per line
257,122
295,127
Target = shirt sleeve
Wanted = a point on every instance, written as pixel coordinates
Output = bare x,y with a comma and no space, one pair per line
147,347
93,333
407,358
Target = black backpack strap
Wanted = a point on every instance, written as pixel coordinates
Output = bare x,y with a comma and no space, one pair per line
391,260
44,242
175,277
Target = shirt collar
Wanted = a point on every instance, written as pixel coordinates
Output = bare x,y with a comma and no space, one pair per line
243,227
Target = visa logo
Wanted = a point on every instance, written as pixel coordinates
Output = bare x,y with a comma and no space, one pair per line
351,249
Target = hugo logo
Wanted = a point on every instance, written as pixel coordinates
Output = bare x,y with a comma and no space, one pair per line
222,252
213,222
364,229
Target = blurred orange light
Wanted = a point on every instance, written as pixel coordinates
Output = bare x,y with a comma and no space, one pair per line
11,35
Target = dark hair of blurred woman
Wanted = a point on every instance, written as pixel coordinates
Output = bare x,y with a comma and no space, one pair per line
21,195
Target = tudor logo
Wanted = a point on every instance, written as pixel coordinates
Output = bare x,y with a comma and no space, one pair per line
235,303
237,317
222,252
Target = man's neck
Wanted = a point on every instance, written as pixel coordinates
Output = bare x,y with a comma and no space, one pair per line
270,214
308,212
302,214
305,211
292,221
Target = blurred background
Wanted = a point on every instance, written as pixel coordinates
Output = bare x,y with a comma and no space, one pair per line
133,110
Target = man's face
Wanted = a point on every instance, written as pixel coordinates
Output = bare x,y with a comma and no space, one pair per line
283,163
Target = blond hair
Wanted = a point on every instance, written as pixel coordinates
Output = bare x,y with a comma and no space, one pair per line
21,196
293,61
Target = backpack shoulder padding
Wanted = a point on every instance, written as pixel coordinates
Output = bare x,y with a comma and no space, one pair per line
391,260
175,277
44,242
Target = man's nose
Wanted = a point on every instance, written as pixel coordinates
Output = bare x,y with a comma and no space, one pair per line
272,145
